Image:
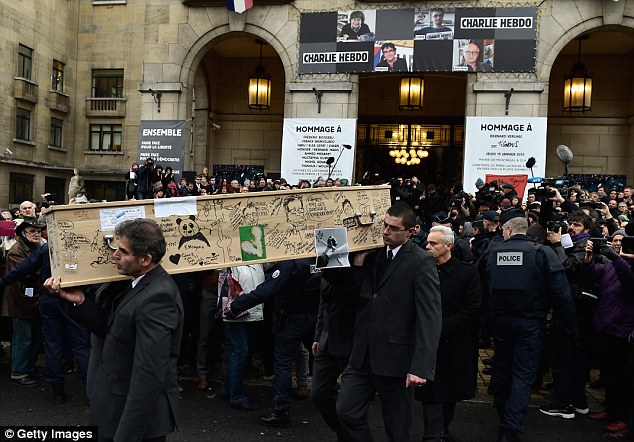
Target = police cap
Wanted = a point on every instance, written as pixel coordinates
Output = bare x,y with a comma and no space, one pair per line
491,215
510,214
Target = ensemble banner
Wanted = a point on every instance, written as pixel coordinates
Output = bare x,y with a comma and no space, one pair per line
422,39
164,142
311,147
497,148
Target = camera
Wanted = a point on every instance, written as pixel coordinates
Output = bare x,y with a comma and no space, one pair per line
490,193
560,222
597,243
561,184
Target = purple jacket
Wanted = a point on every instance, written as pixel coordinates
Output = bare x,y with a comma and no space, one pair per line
614,314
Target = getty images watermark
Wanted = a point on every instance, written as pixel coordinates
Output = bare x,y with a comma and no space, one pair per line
47,433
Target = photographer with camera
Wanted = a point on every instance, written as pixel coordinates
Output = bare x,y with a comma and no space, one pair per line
144,176
399,190
614,321
570,354
489,195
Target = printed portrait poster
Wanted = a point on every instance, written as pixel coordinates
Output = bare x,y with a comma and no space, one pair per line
164,142
309,144
331,245
499,147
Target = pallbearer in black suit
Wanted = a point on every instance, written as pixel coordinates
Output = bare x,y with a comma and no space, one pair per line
136,330
333,340
457,357
396,334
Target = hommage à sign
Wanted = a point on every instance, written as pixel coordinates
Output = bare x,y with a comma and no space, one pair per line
419,40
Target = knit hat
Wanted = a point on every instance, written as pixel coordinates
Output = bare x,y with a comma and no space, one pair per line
479,182
618,232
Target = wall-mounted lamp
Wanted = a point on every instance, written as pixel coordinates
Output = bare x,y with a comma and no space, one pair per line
318,95
157,98
411,93
578,86
260,86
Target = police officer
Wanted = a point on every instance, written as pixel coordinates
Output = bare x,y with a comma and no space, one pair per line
296,291
520,273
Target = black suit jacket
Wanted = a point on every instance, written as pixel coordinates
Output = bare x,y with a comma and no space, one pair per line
399,317
337,312
132,378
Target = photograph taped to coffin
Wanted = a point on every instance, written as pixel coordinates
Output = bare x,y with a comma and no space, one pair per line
215,231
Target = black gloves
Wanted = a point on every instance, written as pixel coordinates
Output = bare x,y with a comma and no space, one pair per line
609,252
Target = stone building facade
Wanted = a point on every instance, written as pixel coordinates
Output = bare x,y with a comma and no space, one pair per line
77,77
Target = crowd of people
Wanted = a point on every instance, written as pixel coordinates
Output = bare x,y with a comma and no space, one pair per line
152,181
547,282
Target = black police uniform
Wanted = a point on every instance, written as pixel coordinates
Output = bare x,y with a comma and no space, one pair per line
520,273
296,292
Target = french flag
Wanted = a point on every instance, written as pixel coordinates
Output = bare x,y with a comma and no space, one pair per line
239,5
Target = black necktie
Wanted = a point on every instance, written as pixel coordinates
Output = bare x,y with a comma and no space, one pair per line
384,263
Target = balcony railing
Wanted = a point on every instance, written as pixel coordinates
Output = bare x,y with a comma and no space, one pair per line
58,101
25,90
105,107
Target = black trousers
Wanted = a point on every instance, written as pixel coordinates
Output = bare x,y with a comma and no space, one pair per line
325,390
614,372
436,417
358,387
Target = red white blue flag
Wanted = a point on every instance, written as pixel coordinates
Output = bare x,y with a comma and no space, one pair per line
239,5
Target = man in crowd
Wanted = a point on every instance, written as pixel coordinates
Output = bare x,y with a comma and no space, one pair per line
27,210
524,277
397,331
296,292
457,357
136,326
570,356
333,341
23,298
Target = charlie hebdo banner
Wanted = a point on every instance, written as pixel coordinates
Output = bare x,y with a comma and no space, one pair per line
164,142
309,144
497,148
422,39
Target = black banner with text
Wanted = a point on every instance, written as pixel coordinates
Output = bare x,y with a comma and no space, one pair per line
419,40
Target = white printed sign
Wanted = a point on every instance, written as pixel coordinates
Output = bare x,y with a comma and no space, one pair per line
308,144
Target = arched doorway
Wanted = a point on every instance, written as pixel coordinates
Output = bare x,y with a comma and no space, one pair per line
224,131
601,139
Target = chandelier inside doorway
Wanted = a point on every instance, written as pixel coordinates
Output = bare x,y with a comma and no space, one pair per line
408,144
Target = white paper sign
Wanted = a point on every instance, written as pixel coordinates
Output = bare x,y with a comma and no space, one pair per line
109,218
185,205
502,146
308,143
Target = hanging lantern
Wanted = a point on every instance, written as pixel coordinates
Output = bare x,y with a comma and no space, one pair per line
578,86
411,93
260,86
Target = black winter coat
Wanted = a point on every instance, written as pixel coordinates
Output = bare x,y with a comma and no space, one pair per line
457,357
